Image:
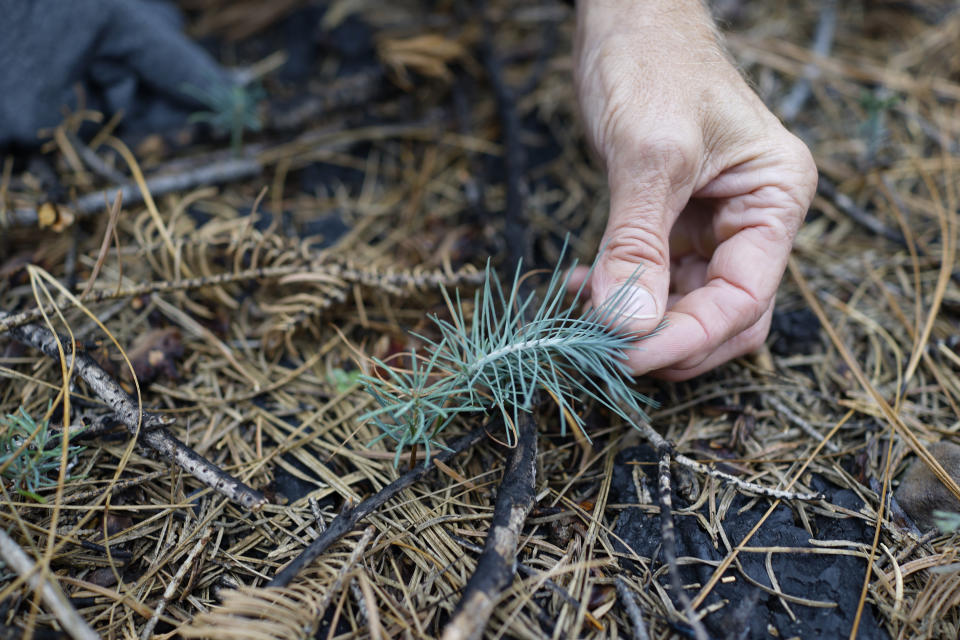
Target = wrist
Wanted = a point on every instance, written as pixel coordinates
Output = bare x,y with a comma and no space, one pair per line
660,21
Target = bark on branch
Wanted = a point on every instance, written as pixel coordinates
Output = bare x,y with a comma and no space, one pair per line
149,428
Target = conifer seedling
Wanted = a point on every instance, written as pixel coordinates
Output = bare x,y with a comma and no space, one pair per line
29,468
498,360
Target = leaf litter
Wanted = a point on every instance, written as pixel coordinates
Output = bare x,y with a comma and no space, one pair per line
282,306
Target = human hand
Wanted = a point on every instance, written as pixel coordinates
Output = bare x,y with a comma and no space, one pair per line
707,189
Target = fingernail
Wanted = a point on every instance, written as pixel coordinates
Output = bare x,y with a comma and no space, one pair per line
633,301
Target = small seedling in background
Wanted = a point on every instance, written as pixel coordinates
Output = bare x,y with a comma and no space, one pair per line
343,380
233,108
497,359
874,129
946,521
30,470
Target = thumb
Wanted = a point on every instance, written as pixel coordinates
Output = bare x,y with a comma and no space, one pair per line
631,280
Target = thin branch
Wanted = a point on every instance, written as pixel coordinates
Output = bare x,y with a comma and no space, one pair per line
660,443
793,103
18,560
798,420
668,542
149,428
347,521
228,170
633,609
497,564
845,203
95,163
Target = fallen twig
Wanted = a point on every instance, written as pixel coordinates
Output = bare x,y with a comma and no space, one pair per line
668,542
779,406
530,572
17,559
228,170
633,609
149,428
660,444
95,163
845,203
793,103
497,564
348,520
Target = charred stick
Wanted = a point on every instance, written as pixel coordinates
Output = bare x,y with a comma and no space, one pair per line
660,443
526,570
149,428
347,521
497,564
668,542
515,228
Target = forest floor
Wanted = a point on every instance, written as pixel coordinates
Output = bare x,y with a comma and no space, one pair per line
242,307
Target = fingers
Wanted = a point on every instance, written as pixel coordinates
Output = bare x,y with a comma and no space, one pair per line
745,342
724,317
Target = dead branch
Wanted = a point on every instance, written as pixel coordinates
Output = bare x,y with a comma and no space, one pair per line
95,163
149,428
660,443
845,203
497,564
17,559
348,520
633,609
668,542
228,170
793,103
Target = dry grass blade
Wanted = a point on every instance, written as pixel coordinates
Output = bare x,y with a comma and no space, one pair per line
52,595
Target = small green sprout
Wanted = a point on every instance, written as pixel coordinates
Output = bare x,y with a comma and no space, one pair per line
498,359
29,470
233,108
343,380
946,521
874,128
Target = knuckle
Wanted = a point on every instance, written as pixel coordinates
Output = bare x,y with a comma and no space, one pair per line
672,150
636,238
801,184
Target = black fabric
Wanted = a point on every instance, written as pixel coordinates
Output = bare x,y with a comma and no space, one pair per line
128,55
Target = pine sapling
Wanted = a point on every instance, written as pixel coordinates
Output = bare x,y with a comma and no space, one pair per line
493,359
29,454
